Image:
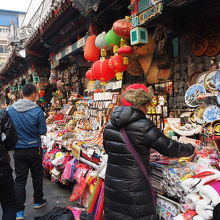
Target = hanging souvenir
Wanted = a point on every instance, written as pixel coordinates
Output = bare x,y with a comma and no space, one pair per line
112,38
164,74
216,127
146,62
207,128
218,98
216,80
134,67
213,46
122,27
147,48
192,94
211,113
192,79
91,52
199,46
201,79
192,118
209,81
198,115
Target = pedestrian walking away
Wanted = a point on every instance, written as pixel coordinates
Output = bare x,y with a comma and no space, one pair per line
8,141
30,124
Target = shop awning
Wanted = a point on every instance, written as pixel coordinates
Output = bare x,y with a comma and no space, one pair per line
13,68
46,26
86,5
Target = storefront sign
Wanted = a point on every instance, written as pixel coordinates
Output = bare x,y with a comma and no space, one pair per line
150,13
143,5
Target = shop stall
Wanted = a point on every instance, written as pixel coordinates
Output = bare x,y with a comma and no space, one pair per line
185,76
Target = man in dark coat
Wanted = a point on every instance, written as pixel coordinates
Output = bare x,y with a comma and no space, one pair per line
8,139
127,193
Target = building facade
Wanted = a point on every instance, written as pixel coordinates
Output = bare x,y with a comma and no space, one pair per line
6,19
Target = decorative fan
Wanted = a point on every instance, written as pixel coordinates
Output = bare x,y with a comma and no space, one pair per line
199,46
134,67
209,81
213,46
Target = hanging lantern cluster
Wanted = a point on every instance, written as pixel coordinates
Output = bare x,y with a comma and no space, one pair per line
105,69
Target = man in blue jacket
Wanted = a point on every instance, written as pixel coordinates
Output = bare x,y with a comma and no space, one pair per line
30,124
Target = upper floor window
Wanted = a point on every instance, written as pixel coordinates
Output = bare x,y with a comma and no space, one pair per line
3,49
4,30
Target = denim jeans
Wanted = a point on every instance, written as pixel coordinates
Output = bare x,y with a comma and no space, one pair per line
25,160
7,197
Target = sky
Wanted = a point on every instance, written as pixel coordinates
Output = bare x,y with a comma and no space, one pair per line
15,5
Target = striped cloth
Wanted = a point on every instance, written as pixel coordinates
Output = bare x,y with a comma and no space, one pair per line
98,140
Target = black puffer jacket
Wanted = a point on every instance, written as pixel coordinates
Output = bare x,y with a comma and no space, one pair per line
9,141
127,194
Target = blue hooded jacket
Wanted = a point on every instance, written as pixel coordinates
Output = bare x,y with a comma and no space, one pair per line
29,121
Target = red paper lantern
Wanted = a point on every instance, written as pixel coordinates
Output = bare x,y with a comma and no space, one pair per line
90,75
96,69
102,71
117,64
125,51
122,28
91,52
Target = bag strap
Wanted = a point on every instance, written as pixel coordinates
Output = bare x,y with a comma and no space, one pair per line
138,160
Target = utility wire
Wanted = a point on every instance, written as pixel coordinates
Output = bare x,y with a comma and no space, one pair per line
26,12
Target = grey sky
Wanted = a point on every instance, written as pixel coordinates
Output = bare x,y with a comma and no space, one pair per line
15,5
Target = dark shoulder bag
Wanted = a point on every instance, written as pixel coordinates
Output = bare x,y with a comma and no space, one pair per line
138,160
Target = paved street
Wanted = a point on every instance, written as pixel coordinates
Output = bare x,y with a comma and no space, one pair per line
56,195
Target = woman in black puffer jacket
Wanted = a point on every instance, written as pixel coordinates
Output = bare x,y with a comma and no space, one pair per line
127,193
